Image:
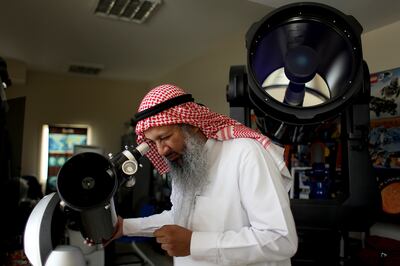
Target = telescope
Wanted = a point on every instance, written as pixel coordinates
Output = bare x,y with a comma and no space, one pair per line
305,70
86,185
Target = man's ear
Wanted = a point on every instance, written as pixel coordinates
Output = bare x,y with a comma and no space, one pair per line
195,129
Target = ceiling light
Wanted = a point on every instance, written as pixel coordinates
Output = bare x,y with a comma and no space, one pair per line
128,10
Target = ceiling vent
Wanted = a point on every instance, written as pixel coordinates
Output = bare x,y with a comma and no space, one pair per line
85,69
128,10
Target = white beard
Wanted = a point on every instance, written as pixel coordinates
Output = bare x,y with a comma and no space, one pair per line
189,178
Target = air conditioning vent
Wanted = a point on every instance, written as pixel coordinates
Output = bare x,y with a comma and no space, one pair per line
128,10
84,69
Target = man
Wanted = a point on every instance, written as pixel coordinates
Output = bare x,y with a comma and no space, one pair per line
229,186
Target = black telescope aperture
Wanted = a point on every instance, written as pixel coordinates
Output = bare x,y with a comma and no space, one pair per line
87,180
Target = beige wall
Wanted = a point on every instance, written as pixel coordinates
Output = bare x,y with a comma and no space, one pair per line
207,77
104,105
381,48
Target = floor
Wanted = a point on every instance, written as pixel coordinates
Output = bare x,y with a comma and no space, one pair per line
140,253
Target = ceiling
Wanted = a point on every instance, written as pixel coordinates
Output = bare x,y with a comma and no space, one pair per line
50,35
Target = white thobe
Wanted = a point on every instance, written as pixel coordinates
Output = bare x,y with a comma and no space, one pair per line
242,217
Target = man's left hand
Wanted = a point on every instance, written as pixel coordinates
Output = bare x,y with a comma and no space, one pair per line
174,239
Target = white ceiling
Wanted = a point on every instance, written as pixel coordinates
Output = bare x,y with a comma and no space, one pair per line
50,35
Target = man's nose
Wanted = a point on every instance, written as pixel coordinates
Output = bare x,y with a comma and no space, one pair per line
162,149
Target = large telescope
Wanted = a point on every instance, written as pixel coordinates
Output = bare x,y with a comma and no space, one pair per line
305,68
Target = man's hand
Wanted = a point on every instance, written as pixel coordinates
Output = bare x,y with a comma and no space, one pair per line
174,239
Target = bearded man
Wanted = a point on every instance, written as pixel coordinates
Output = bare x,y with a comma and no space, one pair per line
230,186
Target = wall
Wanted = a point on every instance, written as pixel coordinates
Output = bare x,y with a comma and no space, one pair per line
104,105
381,48
206,77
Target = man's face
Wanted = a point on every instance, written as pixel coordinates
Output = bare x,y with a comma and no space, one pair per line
170,141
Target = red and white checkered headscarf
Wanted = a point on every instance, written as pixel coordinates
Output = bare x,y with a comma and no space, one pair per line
213,125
